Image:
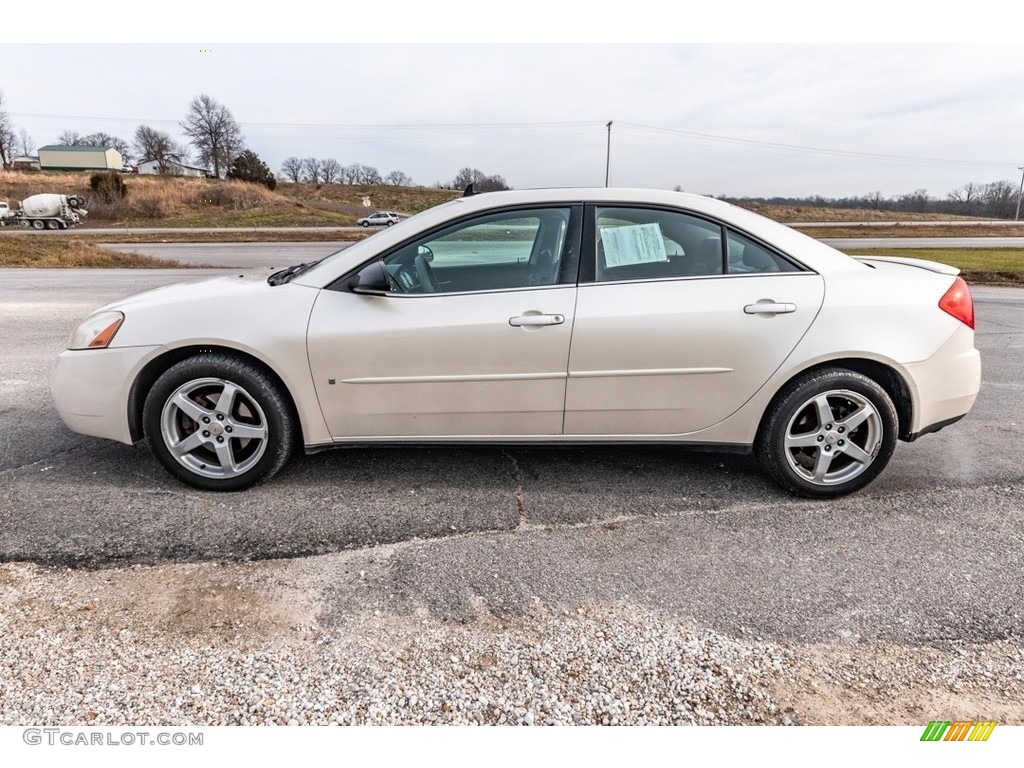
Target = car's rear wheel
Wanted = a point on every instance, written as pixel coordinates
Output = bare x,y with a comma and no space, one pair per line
828,433
219,423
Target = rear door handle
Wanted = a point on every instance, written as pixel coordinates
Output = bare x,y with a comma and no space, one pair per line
769,308
532,320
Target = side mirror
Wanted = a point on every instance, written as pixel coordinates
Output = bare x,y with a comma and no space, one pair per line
373,279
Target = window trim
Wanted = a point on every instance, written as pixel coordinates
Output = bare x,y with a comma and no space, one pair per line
588,264
568,266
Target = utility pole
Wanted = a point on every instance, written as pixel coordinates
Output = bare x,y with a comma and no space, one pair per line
608,154
1020,192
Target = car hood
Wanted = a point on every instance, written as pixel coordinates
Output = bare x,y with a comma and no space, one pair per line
206,289
242,312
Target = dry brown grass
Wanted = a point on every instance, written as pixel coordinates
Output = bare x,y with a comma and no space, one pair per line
61,251
349,199
789,213
153,199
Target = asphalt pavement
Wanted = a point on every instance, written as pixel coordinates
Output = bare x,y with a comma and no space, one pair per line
931,552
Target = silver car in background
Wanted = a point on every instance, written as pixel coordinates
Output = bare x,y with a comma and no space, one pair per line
379,219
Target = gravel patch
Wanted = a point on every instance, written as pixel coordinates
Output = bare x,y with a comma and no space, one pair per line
208,644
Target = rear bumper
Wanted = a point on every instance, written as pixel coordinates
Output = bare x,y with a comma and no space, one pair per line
933,428
946,384
90,389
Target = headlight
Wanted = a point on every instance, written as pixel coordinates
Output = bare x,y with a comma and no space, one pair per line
96,331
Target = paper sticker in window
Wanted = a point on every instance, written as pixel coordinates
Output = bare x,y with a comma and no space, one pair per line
633,244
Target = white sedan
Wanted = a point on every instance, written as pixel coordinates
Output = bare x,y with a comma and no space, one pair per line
573,316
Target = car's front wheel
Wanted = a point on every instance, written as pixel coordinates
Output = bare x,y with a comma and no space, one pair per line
219,423
828,433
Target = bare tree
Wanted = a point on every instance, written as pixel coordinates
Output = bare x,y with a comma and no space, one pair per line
312,168
7,137
69,138
25,144
331,170
398,179
965,197
481,182
916,201
151,144
292,169
999,198
360,174
214,133
351,174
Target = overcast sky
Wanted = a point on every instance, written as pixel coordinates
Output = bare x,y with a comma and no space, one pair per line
731,119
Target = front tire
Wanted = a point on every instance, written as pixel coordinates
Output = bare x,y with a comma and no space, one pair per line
219,423
828,433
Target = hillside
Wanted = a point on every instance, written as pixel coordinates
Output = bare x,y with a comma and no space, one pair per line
190,202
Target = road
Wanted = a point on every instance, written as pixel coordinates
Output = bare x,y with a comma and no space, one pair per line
931,552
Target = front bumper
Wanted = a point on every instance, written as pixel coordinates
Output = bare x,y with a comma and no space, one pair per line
90,389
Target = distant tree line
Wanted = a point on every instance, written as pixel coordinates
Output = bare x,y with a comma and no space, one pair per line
313,170
996,200
481,181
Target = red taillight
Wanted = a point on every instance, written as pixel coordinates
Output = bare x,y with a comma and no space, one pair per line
957,302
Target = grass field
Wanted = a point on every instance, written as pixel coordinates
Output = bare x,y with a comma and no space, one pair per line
992,266
70,252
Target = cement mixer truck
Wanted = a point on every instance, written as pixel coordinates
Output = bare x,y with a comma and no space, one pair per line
46,211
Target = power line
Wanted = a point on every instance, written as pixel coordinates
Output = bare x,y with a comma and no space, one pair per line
810,149
334,126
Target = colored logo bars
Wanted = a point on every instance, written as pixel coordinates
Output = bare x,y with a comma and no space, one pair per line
958,730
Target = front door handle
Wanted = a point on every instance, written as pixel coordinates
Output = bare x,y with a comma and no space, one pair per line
534,320
769,308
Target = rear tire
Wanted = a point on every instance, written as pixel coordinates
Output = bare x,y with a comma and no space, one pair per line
37,224
215,445
828,433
